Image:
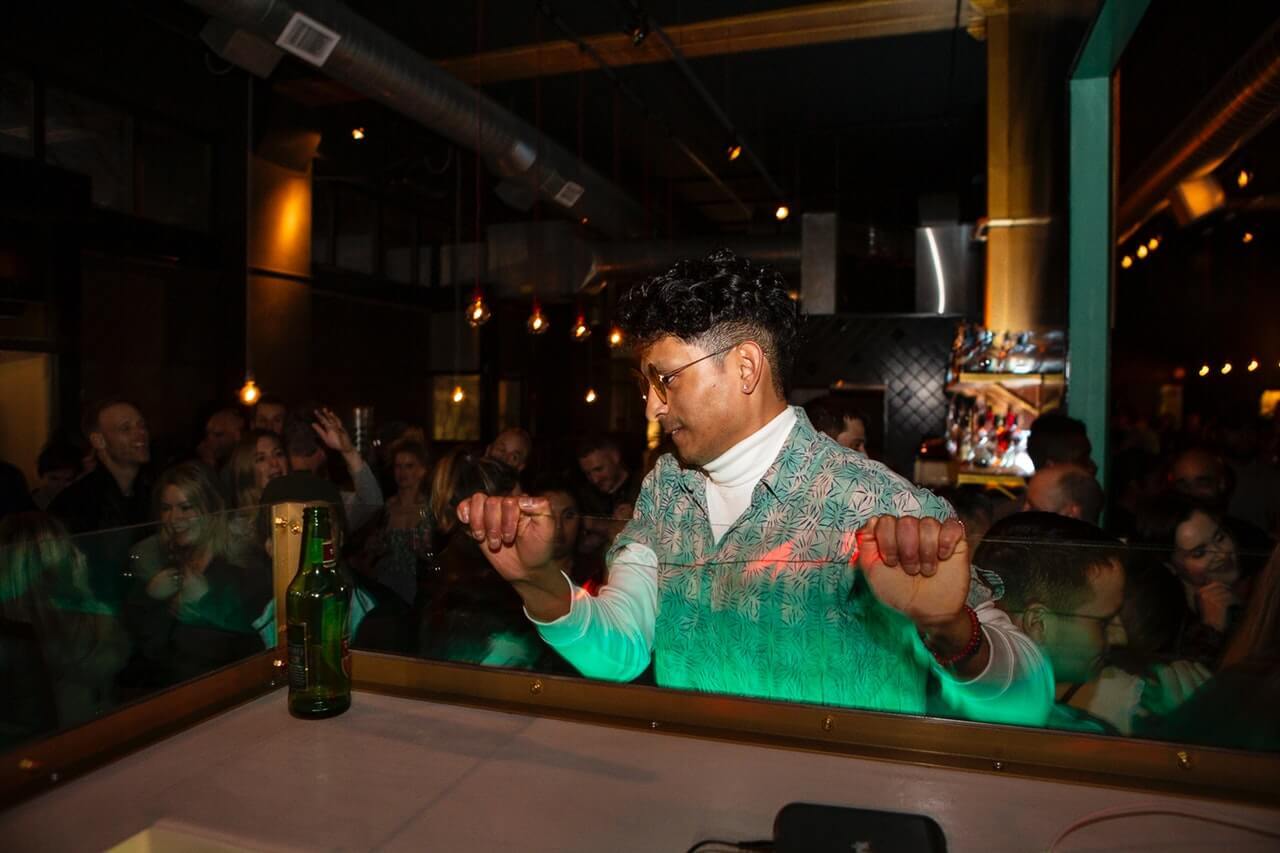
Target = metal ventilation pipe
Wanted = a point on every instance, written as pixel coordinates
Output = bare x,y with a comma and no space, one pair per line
369,60
1245,101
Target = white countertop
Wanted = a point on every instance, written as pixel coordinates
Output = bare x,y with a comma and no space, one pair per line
398,774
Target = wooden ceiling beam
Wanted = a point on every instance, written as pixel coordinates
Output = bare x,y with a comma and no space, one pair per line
795,26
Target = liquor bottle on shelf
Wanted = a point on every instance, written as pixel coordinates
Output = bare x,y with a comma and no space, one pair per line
988,358
1024,357
1054,357
318,607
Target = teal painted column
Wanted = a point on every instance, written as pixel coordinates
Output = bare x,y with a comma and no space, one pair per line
1091,204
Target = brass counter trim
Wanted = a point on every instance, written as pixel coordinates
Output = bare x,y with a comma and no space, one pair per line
30,769
1143,765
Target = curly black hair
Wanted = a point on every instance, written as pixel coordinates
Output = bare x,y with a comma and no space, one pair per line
716,302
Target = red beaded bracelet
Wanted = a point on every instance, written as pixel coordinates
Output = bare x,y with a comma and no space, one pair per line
970,648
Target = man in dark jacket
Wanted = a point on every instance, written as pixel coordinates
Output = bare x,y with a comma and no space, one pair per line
115,495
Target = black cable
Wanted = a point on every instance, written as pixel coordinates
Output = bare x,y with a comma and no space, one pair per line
759,844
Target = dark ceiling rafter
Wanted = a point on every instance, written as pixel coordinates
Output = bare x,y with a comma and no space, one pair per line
545,9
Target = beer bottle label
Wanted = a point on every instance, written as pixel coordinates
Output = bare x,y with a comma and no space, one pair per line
299,666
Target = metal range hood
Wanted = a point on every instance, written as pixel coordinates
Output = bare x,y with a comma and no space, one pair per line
367,59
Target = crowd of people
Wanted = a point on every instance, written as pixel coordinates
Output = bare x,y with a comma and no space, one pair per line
120,576
724,563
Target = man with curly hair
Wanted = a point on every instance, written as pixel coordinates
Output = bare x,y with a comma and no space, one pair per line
767,560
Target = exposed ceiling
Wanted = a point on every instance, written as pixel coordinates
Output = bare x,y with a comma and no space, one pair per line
863,105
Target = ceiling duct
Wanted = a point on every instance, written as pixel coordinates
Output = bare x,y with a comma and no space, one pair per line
1244,102
358,54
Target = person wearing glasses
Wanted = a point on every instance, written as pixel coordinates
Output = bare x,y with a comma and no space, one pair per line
1064,586
762,559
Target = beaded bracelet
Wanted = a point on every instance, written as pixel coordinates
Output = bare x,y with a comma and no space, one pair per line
970,648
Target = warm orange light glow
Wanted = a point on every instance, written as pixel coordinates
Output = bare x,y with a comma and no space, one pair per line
249,392
585,220
478,312
357,133
458,396
1253,365
581,331
615,337
734,152
1179,373
782,212
1204,370
1153,243
537,322
1226,368
1247,238
1126,262
1243,178
591,395
1142,252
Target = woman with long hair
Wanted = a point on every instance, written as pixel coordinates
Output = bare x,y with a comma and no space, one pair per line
1197,546
192,608
399,552
80,644
258,458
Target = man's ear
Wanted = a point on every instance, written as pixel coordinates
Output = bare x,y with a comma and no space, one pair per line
1072,510
1032,622
97,440
751,365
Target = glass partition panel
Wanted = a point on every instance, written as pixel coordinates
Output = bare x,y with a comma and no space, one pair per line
1045,622
92,622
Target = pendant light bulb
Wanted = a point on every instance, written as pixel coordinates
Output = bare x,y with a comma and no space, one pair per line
478,312
537,322
249,392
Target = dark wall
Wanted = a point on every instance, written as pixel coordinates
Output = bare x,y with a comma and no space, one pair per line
906,353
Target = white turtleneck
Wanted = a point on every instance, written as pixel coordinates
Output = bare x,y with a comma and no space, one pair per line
732,476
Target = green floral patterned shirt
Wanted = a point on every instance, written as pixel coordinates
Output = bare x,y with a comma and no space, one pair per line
775,609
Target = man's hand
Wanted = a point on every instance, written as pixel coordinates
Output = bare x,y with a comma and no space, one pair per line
917,566
517,535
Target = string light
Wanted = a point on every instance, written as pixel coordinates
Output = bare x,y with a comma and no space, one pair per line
1153,243
581,331
357,133
1243,178
1247,238
458,396
1204,370
1126,262
537,323
478,312
615,337
1253,365
1226,368
249,392
782,212
591,395
734,152
1142,252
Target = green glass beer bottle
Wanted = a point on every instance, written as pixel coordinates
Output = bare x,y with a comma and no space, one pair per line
318,611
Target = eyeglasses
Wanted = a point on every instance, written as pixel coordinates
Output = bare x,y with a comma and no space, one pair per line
1102,620
659,382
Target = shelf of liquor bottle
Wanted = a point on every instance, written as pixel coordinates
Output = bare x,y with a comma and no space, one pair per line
1008,380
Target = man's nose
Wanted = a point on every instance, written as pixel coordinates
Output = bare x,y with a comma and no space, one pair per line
653,405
